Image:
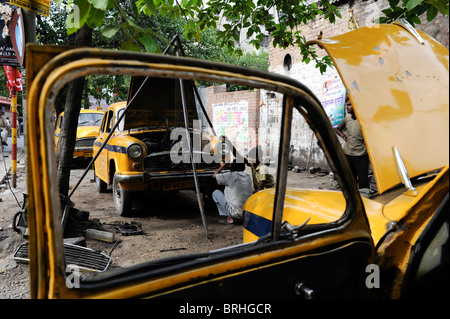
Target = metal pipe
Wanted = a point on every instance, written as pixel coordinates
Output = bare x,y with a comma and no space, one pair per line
194,170
283,161
180,47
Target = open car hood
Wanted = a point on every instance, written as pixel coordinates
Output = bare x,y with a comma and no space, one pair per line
399,88
159,103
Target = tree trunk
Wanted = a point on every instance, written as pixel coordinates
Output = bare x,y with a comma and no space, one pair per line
66,143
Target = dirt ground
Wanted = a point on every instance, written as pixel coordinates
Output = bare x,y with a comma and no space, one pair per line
171,225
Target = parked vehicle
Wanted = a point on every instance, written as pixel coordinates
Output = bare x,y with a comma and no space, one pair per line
142,153
87,131
297,243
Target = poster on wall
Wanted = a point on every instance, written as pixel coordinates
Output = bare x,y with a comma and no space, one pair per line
231,119
333,100
7,54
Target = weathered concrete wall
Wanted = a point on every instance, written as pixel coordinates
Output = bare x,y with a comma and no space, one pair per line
364,12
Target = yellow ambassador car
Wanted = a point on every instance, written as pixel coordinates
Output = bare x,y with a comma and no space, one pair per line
87,131
297,243
145,147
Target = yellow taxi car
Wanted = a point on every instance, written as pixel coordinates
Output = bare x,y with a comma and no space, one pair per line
87,131
147,150
297,243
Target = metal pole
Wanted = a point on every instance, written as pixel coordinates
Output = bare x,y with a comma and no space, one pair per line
14,139
194,170
179,48
29,22
283,161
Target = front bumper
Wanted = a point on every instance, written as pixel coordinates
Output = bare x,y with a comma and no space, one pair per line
83,152
149,177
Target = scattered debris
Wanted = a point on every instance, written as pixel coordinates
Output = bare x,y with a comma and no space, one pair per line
8,265
296,169
100,235
172,249
130,229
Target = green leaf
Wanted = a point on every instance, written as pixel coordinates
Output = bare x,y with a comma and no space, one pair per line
431,13
102,4
148,42
393,3
441,5
163,11
130,46
387,12
416,20
95,18
151,5
111,30
78,16
380,20
332,18
411,4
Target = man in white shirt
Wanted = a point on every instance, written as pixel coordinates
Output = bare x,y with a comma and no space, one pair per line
238,188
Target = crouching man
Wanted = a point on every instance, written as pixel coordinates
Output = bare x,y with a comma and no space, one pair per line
238,188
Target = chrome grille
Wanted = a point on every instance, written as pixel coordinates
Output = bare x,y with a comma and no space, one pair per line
85,142
82,257
163,162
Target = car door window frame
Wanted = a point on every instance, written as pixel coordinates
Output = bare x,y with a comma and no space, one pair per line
296,95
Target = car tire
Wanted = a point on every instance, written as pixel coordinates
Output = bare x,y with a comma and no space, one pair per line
123,200
99,184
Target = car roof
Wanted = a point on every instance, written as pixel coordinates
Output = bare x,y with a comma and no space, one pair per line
91,111
86,111
116,106
399,88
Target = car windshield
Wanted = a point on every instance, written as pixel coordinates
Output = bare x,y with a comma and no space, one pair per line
90,119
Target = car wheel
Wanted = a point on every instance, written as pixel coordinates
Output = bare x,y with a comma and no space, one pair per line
99,184
123,200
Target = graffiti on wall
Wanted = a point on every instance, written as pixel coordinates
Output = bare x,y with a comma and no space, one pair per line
231,119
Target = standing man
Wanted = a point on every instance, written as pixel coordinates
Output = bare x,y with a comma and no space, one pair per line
238,188
355,148
260,172
4,128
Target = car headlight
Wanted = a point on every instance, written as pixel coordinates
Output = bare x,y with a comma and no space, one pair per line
134,151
